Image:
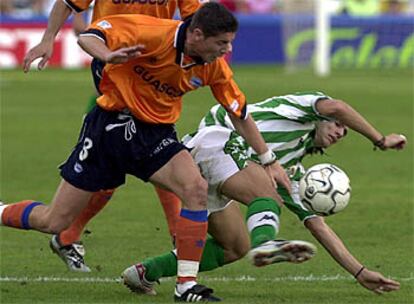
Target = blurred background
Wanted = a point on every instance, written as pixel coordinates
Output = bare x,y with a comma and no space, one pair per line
322,34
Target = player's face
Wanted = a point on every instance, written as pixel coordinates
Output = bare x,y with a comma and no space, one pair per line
211,48
329,133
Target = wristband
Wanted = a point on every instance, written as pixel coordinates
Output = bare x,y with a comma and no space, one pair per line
380,143
359,272
267,158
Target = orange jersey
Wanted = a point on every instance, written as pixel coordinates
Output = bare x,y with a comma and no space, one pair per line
152,85
157,8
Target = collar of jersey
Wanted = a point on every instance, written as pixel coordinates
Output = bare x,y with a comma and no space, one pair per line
179,40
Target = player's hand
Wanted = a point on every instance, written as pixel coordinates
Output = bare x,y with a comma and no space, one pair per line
394,141
123,55
43,50
278,174
376,282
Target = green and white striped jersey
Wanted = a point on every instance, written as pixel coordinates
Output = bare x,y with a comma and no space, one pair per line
287,124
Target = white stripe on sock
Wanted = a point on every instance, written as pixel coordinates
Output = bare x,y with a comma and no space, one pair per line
263,218
186,268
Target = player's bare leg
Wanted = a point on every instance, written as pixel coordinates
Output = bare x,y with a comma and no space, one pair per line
182,176
228,229
68,202
67,244
253,187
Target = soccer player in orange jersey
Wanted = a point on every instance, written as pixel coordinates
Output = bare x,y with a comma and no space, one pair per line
63,8
150,64
67,244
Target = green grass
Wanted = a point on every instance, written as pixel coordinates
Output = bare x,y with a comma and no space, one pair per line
40,118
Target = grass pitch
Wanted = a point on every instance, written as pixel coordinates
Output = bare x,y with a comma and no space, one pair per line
40,119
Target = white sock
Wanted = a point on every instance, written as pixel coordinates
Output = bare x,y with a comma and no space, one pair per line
183,287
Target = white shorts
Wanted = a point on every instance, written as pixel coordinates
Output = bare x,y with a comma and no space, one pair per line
207,149
217,163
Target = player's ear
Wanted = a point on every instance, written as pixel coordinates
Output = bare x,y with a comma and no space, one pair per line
198,34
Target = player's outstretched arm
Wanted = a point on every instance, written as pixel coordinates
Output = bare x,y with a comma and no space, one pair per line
98,49
44,49
371,280
348,116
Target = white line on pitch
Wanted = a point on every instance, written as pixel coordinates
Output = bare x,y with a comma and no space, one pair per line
309,278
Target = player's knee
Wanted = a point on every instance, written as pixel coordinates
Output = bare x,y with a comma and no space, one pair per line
194,194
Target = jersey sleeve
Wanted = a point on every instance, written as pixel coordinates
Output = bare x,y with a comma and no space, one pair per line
116,31
78,5
188,7
226,90
300,106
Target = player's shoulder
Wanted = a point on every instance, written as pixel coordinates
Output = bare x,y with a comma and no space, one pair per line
154,20
140,19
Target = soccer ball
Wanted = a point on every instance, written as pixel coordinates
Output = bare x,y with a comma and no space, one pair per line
325,189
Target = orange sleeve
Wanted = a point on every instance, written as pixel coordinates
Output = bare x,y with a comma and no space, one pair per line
188,7
119,31
226,90
77,5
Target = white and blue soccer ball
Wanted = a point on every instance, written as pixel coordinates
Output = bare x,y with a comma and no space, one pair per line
325,189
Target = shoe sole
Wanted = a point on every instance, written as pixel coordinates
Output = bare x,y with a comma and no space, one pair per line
292,252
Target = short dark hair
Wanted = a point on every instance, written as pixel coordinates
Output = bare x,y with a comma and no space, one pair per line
213,19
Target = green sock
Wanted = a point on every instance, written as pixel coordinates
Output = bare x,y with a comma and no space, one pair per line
262,220
213,256
91,104
166,265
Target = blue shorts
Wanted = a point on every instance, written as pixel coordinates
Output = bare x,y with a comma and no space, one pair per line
113,144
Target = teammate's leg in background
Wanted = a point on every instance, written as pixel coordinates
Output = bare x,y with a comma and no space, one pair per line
171,205
67,244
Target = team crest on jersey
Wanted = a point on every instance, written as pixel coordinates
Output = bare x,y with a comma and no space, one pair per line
196,82
104,24
234,105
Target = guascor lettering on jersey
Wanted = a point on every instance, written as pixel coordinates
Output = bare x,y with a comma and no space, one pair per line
156,83
159,2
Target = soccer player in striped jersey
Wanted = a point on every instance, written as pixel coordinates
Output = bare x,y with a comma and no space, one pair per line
67,244
293,126
150,64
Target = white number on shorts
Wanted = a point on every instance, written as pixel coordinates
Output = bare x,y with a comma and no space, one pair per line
87,144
